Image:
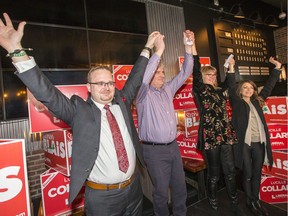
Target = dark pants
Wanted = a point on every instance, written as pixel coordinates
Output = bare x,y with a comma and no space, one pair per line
253,158
165,168
118,202
222,156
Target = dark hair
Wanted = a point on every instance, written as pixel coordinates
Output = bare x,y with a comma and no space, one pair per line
97,68
255,95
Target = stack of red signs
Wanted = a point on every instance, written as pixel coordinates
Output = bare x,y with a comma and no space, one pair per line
58,150
188,146
188,116
274,184
55,193
57,141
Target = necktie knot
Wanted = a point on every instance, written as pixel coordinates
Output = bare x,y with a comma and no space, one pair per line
106,107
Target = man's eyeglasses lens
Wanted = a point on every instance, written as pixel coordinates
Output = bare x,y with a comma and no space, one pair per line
103,84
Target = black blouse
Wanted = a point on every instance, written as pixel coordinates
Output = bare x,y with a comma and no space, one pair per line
215,126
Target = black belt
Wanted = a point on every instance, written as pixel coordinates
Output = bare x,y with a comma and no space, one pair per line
154,143
255,143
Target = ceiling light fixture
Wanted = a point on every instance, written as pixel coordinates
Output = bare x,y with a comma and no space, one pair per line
216,2
271,21
256,18
282,15
239,13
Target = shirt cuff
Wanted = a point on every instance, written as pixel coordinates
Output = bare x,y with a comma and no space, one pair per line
145,53
25,65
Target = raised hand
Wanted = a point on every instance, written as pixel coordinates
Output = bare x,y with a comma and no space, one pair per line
188,38
159,44
10,38
232,61
275,62
151,39
189,41
231,64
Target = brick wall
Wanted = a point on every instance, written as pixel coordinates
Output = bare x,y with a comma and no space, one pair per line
35,167
280,37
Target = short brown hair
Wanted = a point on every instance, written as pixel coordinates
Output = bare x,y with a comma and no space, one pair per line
97,68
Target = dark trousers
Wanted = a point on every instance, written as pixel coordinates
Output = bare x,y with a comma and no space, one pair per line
165,168
118,202
253,158
221,156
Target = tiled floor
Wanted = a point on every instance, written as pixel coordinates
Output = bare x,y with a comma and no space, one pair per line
202,208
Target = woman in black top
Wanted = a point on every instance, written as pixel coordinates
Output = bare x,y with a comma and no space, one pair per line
254,148
216,135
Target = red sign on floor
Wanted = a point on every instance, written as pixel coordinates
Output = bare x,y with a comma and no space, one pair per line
55,192
280,166
14,190
273,190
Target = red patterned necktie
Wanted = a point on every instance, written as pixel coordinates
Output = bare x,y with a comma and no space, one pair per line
118,141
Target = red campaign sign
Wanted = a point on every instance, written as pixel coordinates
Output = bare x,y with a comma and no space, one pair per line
41,120
14,190
280,166
275,111
183,98
204,61
187,146
192,119
121,73
278,137
58,150
273,190
55,192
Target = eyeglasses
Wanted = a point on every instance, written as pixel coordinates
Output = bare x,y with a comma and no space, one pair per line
103,84
210,75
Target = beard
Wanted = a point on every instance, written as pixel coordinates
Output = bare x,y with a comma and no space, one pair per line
106,98
103,97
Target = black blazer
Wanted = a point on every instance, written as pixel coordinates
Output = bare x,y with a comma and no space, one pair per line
240,114
85,118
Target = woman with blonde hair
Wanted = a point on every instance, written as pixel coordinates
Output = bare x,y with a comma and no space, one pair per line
215,134
254,148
